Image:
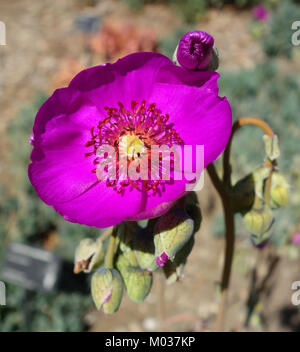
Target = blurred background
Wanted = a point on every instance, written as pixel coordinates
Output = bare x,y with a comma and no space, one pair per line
47,43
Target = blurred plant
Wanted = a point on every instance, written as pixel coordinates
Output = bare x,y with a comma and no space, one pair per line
279,102
24,218
260,13
188,9
168,43
277,40
296,238
68,69
58,311
191,10
117,39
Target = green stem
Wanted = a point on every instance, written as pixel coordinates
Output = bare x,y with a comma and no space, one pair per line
109,258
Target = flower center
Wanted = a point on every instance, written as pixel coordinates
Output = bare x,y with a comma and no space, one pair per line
132,132
131,146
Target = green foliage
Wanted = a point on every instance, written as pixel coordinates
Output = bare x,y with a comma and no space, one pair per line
277,40
58,311
190,10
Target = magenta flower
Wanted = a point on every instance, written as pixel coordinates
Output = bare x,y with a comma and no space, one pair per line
260,13
195,50
142,99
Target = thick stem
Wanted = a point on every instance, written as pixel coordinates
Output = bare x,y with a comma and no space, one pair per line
229,246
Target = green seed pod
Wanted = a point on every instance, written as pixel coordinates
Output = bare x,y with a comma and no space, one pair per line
172,231
259,221
107,289
279,190
89,255
138,282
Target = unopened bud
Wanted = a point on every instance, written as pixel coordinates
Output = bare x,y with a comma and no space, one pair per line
259,176
174,270
138,282
89,255
279,190
126,235
144,250
242,194
271,146
260,243
249,191
193,210
172,231
107,289
196,51
259,221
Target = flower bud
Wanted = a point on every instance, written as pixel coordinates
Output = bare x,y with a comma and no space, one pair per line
138,282
196,51
144,250
260,243
271,146
107,289
242,194
259,177
259,221
193,210
172,231
174,270
126,236
249,190
89,255
279,190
